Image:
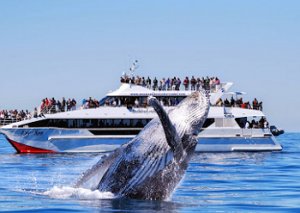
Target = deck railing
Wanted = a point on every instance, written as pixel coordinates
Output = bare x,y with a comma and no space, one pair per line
210,88
7,121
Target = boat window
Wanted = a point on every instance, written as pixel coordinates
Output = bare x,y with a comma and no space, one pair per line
109,123
94,123
126,122
51,122
118,123
144,122
102,101
86,123
90,123
180,98
101,123
71,123
139,122
41,123
62,123
241,121
208,122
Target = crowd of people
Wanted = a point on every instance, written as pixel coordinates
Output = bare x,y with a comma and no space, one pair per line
173,83
53,106
47,106
262,124
239,103
15,115
90,103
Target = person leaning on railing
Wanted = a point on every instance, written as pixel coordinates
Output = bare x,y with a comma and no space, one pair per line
193,83
155,83
255,104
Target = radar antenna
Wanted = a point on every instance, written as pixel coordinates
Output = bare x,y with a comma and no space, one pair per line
134,66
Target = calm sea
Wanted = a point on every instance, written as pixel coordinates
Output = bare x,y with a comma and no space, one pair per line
215,182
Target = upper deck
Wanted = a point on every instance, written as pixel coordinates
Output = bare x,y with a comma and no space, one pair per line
215,91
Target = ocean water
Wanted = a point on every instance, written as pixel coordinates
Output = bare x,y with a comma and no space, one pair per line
214,182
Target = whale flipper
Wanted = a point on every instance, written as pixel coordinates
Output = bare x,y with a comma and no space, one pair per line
172,136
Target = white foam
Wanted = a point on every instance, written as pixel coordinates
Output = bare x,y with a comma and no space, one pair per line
80,193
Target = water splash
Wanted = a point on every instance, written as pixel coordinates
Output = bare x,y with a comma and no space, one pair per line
66,192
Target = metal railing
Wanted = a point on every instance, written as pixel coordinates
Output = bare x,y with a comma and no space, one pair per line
6,121
257,107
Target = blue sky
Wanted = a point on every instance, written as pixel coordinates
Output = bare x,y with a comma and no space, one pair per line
77,49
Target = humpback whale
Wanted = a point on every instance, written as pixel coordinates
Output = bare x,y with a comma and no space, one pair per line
152,164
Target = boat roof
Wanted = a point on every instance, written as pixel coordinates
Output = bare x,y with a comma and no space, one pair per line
235,93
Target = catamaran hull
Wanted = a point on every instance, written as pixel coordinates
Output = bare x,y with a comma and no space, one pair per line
68,141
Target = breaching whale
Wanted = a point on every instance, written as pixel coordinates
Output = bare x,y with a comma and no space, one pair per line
152,164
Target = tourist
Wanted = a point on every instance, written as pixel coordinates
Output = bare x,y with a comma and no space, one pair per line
137,81
176,102
35,113
155,83
143,82
114,103
207,80
186,83
178,82
119,102
148,81
122,80
144,103
198,84
63,104
163,84
83,104
255,104
170,102
136,103
193,83
168,84
226,103
58,105
69,104
219,102
232,102
73,104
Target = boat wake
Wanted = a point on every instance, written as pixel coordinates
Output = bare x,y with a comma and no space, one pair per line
66,192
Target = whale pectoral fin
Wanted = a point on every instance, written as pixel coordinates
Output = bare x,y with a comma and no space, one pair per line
172,136
101,166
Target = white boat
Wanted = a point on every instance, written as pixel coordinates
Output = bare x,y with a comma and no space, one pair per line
105,128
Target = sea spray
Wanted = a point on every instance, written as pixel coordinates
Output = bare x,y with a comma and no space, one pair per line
66,192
